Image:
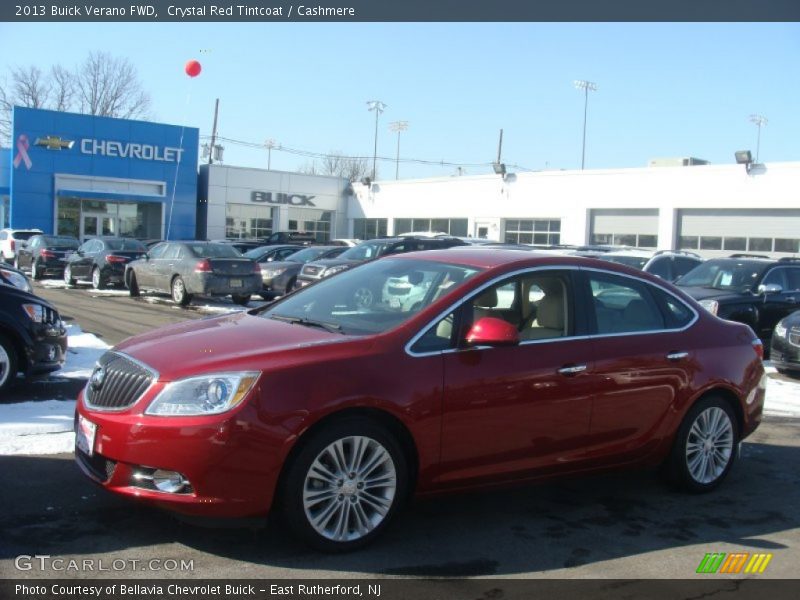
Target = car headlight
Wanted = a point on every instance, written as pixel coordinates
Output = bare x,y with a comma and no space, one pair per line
17,280
204,395
333,270
35,312
711,306
780,329
272,273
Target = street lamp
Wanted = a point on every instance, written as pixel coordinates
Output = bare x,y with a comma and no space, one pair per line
586,86
759,121
398,126
270,144
378,107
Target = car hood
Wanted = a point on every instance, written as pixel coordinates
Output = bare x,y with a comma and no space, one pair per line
281,264
704,293
332,262
233,342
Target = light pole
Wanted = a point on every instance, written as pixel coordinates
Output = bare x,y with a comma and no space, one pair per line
759,120
398,126
270,144
378,107
586,86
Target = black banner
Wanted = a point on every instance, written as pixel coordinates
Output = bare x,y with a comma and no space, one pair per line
399,589
400,10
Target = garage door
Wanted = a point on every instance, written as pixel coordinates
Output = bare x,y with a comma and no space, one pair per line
624,227
721,232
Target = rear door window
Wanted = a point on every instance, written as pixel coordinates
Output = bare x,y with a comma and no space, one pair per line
623,305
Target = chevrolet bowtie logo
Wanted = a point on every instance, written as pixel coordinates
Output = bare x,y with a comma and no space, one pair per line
53,142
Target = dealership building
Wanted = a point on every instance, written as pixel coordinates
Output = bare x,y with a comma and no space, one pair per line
713,210
83,176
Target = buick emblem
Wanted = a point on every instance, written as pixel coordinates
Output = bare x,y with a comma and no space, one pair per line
98,376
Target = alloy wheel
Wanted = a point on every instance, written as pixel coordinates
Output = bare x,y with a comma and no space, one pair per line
349,488
5,366
709,445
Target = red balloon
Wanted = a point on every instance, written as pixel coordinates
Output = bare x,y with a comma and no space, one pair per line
193,68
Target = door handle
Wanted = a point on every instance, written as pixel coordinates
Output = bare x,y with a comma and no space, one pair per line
677,355
572,370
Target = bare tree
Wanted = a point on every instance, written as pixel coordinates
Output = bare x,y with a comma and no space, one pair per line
63,90
27,88
109,87
337,164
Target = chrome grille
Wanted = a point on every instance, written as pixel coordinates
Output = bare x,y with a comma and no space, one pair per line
123,382
794,336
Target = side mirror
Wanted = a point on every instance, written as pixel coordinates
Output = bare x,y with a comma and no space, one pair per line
79,252
490,331
770,288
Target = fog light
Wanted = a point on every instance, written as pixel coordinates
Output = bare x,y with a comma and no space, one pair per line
169,481
51,353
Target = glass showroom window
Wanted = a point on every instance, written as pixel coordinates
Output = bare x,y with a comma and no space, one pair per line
451,226
247,221
637,240
5,203
544,232
311,221
368,229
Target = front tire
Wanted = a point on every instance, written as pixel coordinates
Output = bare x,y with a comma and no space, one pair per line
69,280
345,485
705,447
241,299
179,294
8,364
133,285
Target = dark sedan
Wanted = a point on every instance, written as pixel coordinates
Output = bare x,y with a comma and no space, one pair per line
47,254
102,261
183,269
785,352
272,253
279,276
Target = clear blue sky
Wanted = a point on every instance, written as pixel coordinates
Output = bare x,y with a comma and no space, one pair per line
665,90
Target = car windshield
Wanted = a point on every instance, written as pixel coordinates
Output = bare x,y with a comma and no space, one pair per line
67,242
724,274
364,251
257,253
637,262
307,254
214,251
126,245
372,298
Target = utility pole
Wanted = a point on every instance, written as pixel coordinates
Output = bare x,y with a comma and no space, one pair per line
270,144
500,147
398,126
213,133
586,86
378,107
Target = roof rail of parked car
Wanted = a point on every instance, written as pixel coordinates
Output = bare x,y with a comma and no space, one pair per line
683,252
789,259
744,255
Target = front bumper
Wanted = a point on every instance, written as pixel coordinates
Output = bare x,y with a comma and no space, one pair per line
48,349
230,464
784,355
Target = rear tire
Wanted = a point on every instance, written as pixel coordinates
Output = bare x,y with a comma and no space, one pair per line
179,294
241,299
345,485
133,285
705,447
8,364
35,272
98,281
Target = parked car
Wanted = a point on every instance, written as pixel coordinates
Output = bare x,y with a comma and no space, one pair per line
291,237
242,245
265,254
279,277
510,368
346,242
785,346
186,269
370,250
751,289
102,261
46,254
667,264
14,277
11,240
33,338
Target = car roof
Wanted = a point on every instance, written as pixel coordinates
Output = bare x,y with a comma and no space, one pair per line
487,258
633,252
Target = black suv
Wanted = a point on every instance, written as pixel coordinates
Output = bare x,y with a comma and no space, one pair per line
32,337
370,250
752,289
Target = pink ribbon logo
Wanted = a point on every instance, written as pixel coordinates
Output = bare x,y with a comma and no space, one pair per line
22,152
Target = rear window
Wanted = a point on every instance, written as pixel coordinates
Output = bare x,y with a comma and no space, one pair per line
725,274
50,240
213,251
24,235
125,245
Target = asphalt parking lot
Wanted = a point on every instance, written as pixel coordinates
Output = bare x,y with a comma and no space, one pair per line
612,526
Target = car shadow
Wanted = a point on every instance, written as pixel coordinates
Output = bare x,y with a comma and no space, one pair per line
52,509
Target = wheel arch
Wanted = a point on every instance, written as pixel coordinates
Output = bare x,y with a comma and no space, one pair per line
394,425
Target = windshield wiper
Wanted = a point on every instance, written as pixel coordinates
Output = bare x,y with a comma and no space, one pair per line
331,327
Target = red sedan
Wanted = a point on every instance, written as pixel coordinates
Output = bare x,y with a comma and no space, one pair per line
419,374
